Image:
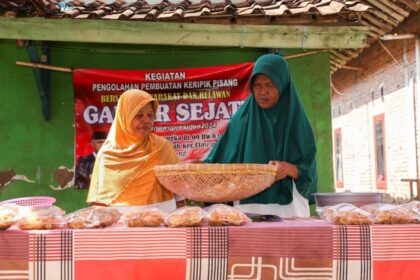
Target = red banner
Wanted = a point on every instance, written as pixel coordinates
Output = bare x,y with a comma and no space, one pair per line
195,104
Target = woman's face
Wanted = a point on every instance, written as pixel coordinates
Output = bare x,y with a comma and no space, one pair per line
265,91
142,123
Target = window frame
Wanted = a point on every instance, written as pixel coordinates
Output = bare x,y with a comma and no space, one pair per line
338,184
380,184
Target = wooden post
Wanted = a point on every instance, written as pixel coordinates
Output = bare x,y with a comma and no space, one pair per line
412,181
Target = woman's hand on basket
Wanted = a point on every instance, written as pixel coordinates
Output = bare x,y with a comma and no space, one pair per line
284,169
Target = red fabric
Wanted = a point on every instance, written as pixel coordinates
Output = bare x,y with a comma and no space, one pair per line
392,269
174,269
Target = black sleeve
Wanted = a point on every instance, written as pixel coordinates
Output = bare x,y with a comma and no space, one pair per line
83,171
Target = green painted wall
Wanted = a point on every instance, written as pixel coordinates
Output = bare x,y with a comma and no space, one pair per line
312,79
36,148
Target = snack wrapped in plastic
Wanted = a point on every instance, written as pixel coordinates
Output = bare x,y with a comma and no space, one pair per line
144,218
93,217
352,218
187,216
345,214
390,214
413,206
41,217
225,215
9,215
327,212
373,208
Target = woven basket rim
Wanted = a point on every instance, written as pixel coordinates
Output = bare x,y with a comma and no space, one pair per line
216,182
218,168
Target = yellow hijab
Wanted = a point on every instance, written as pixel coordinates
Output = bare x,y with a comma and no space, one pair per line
123,172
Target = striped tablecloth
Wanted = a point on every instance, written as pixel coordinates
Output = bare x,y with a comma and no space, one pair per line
303,249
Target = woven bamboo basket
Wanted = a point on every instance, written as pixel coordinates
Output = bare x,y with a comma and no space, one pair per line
216,182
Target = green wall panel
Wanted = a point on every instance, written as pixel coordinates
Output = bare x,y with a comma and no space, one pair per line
36,148
312,78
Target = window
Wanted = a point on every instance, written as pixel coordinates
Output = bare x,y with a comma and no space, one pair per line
382,91
380,155
338,158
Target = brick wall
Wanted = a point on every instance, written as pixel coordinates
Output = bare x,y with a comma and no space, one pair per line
383,86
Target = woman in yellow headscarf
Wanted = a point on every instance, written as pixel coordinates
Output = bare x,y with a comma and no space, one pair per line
123,172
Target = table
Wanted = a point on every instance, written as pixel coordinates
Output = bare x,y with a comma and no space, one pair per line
292,249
